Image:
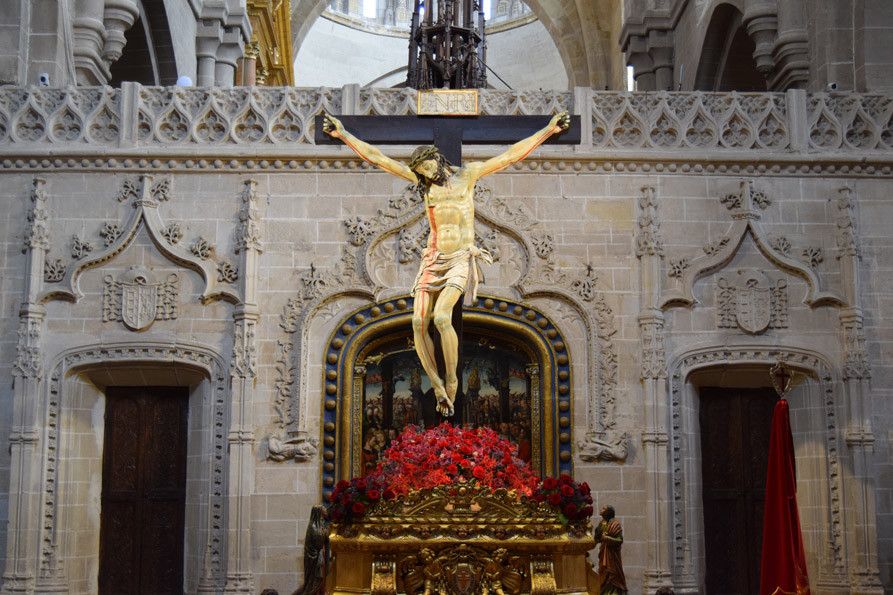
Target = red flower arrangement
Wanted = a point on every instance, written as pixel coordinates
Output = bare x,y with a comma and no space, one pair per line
573,500
448,455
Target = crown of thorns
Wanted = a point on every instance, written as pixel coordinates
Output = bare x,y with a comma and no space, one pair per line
423,153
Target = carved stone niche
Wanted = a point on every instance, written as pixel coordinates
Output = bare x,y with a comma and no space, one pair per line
751,301
137,299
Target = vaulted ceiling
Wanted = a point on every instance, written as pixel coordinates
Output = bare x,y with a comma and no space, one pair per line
586,33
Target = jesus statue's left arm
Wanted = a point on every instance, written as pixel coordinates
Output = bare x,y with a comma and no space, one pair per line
478,169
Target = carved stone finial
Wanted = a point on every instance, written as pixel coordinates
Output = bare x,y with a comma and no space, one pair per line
746,201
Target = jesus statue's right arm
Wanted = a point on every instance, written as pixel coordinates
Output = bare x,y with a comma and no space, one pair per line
334,128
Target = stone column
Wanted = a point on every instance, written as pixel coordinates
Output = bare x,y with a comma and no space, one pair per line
89,39
208,37
655,440
791,51
643,67
228,53
118,17
243,377
249,64
661,52
26,465
859,481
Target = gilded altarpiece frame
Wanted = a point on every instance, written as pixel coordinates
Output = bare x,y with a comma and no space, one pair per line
364,329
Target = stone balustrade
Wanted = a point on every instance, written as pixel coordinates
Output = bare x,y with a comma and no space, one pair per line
278,120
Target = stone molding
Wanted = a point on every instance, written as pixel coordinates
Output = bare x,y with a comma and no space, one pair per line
719,253
146,196
134,116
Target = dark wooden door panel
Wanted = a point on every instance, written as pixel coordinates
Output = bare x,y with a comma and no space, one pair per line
735,426
143,493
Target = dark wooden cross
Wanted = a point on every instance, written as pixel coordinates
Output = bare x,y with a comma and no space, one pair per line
448,134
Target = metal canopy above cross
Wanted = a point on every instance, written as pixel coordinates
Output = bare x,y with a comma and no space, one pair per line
448,134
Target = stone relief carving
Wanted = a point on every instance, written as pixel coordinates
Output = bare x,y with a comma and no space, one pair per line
29,353
847,242
782,245
80,248
751,302
848,121
594,449
745,222
648,238
145,195
38,233
53,270
202,248
137,299
814,255
110,232
227,272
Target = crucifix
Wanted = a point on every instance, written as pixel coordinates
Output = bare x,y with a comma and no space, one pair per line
450,266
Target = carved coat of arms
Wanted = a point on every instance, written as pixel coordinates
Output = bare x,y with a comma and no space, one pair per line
751,302
137,299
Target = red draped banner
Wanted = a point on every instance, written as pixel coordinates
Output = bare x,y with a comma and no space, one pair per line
783,564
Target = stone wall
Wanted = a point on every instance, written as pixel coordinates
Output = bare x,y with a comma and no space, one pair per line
671,199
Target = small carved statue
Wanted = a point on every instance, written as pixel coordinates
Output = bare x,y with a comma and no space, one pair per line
433,572
609,536
316,552
450,263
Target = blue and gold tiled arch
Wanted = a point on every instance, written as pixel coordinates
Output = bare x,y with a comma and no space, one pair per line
551,394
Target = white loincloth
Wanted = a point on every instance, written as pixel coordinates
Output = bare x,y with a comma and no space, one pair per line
459,269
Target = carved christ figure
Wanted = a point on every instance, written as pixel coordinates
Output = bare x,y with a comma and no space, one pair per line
450,266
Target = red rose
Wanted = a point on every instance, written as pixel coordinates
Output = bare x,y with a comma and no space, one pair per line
549,483
588,499
567,490
389,494
361,484
565,478
333,496
584,489
570,510
479,472
373,495
538,497
452,469
586,512
358,508
554,499
466,449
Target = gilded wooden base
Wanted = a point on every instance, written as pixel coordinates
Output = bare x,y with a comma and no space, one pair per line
479,543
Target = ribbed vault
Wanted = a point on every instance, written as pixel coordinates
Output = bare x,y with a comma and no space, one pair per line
586,33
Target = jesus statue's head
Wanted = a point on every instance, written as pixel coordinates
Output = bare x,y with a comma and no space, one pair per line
429,164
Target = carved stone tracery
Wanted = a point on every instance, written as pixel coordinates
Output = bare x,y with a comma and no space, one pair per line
357,275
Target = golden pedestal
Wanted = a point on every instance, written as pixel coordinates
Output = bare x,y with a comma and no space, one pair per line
460,541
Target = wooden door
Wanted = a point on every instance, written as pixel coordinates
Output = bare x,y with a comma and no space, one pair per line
735,427
143,491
